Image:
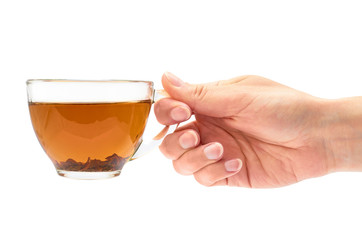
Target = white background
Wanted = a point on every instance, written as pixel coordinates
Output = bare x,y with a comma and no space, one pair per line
314,46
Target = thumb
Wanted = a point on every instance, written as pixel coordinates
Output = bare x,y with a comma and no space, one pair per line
217,99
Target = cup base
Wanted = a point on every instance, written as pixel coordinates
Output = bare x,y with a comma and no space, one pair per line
88,175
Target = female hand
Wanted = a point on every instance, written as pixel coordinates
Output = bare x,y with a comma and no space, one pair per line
248,131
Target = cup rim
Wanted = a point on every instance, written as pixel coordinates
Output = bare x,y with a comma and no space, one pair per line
29,81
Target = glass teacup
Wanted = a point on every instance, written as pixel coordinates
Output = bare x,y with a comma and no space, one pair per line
89,129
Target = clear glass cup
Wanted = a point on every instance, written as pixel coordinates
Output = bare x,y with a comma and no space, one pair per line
90,128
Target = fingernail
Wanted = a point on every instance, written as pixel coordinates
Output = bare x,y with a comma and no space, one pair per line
213,151
180,113
177,82
188,139
233,165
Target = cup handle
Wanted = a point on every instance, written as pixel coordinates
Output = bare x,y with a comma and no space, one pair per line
147,145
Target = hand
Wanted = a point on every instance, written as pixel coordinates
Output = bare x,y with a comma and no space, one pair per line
248,131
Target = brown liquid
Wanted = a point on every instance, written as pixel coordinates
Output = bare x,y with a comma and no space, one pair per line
89,136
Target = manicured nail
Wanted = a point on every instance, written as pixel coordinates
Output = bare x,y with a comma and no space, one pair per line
180,114
213,151
177,82
188,140
233,165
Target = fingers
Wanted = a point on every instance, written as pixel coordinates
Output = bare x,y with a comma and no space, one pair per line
169,111
205,98
216,174
176,144
205,162
200,98
195,159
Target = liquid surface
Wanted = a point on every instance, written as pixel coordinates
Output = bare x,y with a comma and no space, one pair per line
88,136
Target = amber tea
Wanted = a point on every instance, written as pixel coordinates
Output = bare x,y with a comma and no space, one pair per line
90,137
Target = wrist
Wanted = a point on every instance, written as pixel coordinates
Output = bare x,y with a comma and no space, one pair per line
341,130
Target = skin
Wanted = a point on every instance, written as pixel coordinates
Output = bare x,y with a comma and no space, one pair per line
259,133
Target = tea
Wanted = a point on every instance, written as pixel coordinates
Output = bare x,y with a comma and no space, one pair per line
90,137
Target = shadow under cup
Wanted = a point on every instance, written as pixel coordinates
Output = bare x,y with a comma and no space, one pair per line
89,129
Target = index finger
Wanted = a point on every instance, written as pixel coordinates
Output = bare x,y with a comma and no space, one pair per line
169,111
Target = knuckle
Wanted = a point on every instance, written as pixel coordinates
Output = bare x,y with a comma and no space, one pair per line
203,180
199,91
164,151
181,168
157,109
166,147
160,112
